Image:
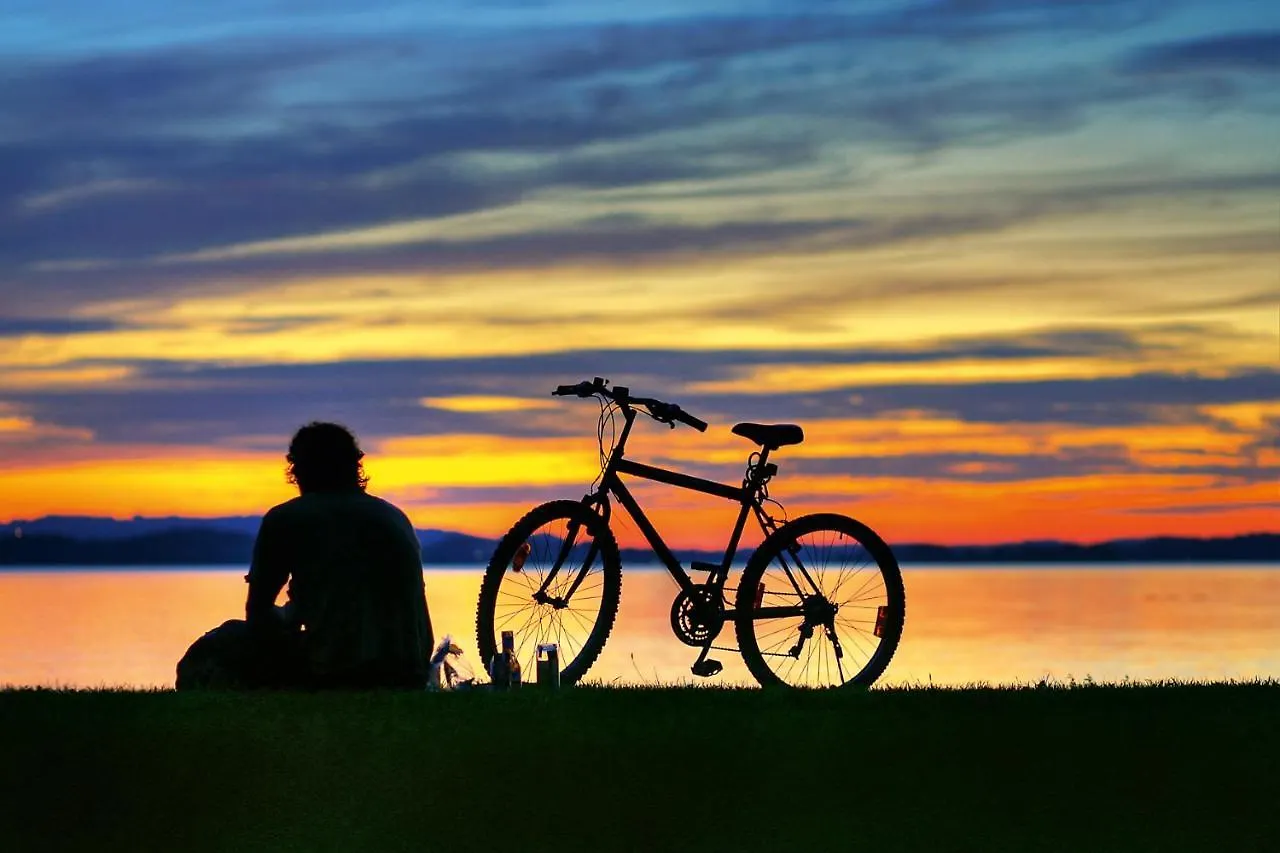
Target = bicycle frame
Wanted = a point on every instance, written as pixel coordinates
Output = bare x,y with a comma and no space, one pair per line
746,496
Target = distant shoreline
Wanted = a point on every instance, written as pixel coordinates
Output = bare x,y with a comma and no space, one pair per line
194,543
651,566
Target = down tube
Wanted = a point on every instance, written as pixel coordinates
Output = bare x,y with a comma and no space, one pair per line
619,490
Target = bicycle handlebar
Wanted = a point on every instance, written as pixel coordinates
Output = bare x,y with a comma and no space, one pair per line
658,410
671,412
582,389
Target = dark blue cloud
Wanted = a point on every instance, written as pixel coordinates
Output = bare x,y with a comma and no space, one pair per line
608,240
17,327
1150,398
184,403
635,46
226,158
1014,467
220,141
966,19
1228,52
705,40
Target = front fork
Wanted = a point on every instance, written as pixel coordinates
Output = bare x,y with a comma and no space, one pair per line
566,547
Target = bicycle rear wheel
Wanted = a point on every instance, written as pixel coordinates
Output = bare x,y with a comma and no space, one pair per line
578,606
822,605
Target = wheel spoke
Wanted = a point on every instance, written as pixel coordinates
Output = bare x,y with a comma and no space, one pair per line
507,602
851,588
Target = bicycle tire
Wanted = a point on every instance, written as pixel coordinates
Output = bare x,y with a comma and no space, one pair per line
765,557
487,633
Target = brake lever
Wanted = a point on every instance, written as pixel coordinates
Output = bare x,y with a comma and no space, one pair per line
663,418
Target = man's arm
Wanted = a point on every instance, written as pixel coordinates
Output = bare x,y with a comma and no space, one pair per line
267,573
428,635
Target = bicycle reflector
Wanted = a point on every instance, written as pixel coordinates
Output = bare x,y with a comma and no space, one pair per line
759,599
522,554
881,613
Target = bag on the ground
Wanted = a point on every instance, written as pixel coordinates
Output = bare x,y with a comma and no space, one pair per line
219,660
234,656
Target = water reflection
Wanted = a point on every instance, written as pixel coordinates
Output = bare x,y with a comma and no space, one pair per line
963,625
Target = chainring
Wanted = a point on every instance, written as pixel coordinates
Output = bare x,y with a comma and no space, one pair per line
697,619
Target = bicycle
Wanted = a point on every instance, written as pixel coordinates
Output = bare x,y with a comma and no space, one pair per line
819,603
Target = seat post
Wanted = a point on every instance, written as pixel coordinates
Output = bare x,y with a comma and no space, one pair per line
764,457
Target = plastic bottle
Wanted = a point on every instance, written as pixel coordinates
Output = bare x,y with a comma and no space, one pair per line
548,666
513,663
499,667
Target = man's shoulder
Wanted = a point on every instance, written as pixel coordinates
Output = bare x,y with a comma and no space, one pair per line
300,510
306,506
279,512
389,508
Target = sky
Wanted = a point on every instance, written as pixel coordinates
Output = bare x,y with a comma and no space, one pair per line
1013,264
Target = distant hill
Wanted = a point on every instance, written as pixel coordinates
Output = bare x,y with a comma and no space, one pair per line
84,541
92,528
1251,548
87,541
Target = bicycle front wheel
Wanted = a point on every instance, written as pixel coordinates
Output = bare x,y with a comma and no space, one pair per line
556,577
820,604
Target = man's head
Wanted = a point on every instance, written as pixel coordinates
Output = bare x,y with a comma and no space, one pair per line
325,457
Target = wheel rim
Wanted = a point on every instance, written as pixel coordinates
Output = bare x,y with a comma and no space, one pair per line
848,577
534,623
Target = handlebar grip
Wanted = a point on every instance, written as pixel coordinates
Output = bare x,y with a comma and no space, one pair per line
684,417
582,389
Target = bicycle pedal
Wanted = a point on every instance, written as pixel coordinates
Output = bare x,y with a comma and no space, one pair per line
707,668
699,566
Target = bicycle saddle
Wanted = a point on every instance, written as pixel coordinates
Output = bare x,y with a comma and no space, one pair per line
770,435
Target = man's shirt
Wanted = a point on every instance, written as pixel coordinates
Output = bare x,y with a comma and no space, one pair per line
354,568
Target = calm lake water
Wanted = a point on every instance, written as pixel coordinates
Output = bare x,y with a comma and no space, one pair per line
964,625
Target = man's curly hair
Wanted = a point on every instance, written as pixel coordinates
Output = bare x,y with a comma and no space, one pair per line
324,457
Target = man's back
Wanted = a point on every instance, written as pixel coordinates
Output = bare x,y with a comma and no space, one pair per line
355,584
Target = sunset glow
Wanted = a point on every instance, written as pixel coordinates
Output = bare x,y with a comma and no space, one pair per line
1013,266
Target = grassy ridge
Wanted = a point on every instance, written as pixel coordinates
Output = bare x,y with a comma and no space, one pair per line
1179,767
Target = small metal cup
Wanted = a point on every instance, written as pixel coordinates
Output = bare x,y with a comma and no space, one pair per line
548,664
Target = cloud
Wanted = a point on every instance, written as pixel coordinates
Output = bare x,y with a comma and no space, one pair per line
478,495
1010,468
1201,509
247,140
164,88
605,241
638,46
168,402
18,327
1145,398
118,157
1242,52
967,20
702,40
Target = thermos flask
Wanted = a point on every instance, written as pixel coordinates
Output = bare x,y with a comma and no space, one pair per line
548,666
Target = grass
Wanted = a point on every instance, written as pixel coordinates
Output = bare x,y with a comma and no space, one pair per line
1087,768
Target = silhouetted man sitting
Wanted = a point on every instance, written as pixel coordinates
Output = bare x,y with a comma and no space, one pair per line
356,615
